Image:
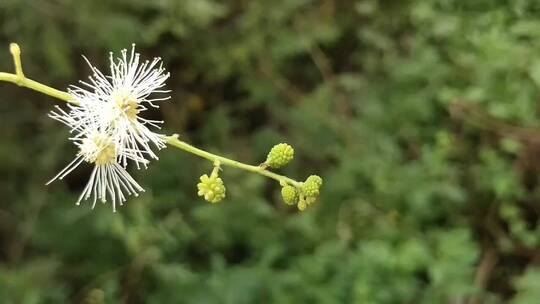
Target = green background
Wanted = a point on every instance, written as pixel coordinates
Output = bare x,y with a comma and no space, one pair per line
421,116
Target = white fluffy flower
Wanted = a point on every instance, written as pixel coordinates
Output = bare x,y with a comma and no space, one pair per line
107,127
115,102
109,180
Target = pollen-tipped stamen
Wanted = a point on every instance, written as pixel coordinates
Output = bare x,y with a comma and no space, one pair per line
98,149
127,104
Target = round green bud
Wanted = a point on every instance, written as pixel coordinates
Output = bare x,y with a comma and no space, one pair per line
280,155
312,185
315,179
310,200
211,188
302,205
289,194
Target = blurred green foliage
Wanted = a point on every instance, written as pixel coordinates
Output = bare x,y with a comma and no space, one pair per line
422,117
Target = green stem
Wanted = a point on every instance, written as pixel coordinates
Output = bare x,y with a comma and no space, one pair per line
19,79
36,86
172,140
175,142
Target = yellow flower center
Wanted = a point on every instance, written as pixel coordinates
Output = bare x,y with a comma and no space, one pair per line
107,155
99,150
127,104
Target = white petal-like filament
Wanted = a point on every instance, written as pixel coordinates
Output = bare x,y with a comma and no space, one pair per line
107,126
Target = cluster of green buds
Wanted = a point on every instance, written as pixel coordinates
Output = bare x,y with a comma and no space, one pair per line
303,195
300,194
211,188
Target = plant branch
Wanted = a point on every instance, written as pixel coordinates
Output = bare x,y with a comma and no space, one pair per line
175,142
19,79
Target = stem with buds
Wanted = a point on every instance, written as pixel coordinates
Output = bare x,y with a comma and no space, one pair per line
175,142
21,80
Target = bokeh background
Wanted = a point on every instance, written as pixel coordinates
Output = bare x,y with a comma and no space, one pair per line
421,116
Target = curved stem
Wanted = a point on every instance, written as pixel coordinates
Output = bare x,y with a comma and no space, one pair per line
175,142
19,79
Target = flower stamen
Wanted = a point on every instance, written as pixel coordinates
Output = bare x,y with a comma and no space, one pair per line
127,104
98,149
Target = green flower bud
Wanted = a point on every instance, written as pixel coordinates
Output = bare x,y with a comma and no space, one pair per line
280,155
312,185
310,200
211,188
302,205
315,179
289,194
